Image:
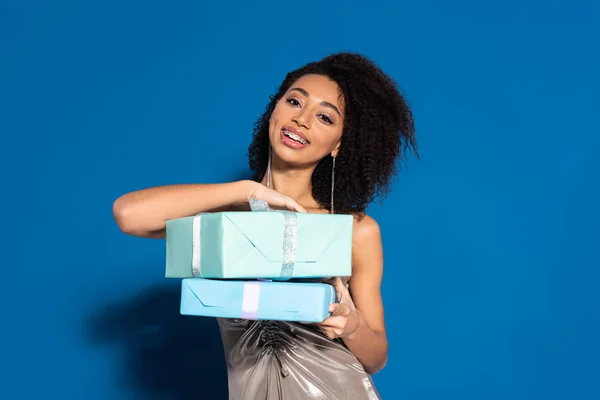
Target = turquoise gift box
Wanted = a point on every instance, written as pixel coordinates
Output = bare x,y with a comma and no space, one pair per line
256,300
265,245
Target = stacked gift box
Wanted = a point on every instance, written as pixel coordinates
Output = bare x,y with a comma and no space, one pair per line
261,264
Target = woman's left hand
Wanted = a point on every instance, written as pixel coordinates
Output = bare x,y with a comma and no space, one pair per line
344,319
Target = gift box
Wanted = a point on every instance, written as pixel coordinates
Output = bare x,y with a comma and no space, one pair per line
256,300
269,245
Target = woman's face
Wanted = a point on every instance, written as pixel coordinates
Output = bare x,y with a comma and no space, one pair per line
307,122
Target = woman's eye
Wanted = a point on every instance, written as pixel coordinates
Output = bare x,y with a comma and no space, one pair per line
326,119
293,102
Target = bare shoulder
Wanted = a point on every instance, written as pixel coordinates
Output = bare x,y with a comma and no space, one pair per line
365,228
366,245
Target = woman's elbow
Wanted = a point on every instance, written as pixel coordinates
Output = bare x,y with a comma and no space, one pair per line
131,222
122,215
376,367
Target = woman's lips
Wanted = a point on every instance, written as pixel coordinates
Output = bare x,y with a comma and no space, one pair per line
293,139
295,131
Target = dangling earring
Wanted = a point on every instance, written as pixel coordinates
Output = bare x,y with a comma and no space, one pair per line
269,182
332,184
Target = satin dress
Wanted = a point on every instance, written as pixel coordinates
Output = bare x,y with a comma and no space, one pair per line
277,360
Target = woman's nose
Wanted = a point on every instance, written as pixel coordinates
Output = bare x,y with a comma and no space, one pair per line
302,119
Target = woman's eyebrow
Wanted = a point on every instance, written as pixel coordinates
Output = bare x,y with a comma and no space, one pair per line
323,103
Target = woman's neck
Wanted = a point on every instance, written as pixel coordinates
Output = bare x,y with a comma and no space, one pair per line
295,183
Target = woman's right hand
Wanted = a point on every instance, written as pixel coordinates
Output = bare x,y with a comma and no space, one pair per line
273,198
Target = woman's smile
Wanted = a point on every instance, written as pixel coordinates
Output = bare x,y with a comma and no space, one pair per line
294,138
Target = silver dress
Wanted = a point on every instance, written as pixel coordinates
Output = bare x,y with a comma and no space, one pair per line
276,360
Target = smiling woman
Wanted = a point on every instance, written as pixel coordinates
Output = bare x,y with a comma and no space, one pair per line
328,142
353,115
292,120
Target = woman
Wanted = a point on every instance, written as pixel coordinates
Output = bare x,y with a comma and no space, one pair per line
327,142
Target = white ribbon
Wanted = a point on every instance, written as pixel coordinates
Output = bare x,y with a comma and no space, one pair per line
250,300
196,240
290,240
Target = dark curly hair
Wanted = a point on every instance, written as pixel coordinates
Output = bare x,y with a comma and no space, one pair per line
378,124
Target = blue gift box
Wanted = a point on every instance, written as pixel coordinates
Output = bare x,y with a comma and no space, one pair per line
257,300
250,245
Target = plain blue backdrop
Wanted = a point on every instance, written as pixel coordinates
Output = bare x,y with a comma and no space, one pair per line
491,272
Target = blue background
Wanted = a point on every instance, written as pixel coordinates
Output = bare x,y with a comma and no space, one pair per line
491,275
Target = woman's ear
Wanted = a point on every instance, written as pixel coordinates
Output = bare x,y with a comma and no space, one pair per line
335,151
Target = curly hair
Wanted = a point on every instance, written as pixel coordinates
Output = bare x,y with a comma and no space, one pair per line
378,124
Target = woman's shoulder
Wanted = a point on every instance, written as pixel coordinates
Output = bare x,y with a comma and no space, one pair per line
366,244
366,236
365,227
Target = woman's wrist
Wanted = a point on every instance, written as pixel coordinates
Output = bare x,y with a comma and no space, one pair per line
245,189
241,191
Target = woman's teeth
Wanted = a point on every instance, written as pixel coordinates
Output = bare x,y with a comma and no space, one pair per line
295,137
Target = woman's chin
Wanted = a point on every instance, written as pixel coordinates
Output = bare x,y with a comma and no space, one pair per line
292,157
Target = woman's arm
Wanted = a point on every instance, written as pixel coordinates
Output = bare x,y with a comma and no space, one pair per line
358,316
144,212
368,341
